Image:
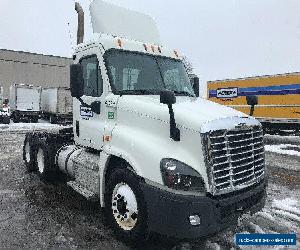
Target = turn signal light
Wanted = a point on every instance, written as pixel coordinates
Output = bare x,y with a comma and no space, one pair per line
176,53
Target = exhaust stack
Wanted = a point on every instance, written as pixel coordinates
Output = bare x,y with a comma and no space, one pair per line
80,29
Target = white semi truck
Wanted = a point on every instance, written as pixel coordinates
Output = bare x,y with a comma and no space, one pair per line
25,102
57,104
157,157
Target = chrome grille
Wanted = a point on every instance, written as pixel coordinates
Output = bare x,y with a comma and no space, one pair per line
237,158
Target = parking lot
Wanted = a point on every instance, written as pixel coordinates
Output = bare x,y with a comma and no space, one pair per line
38,215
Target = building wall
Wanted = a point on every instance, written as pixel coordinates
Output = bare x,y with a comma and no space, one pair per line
33,69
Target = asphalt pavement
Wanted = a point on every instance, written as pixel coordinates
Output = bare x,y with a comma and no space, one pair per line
38,215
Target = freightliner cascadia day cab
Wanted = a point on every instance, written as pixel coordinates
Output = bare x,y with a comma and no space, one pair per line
25,102
157,157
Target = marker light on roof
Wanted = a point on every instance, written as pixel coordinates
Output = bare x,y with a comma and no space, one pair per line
120,43
153,48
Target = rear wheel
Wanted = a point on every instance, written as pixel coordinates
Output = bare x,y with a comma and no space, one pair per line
44,162
53,119
125,206
34,119
16,117
6,120
29,153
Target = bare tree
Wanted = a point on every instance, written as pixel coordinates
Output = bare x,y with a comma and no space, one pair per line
188,65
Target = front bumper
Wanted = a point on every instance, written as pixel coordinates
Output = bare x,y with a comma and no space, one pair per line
168,213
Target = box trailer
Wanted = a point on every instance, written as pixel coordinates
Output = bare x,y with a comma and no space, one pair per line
25,102
56,104
278,105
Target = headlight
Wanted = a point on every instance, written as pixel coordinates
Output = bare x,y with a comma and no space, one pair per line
179,176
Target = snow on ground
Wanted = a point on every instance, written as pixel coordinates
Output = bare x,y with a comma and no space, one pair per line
23,127
285,149
280,215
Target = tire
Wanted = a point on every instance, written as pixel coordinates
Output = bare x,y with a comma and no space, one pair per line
29,153
15,117
117,209
34,119
53,119
6,120
45,161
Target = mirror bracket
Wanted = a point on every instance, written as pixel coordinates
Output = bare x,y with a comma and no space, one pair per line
252,101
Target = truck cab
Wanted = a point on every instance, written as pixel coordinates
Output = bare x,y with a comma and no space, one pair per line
155,155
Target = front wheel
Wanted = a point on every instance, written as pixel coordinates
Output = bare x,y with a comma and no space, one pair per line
125,206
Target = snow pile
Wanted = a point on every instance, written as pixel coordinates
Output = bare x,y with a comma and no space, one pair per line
288,208
283,149
19,127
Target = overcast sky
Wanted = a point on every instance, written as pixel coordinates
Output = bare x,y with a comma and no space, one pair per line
223,39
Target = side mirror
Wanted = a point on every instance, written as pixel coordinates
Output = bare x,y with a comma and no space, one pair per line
252,101
167,97
195,84
76,80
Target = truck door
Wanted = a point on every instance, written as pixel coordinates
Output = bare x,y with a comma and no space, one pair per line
89,125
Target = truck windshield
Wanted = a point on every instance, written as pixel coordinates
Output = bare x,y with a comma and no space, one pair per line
142,74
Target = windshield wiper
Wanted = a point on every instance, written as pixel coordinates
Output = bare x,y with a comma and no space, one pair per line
186,93
140,92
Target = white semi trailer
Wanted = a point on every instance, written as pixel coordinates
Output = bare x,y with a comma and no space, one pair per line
57,104
157,157
25,102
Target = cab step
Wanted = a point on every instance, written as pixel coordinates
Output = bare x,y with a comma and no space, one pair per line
89,195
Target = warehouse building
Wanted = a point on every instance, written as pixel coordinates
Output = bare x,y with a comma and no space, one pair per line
33,69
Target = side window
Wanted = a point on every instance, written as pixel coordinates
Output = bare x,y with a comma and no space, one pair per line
93,83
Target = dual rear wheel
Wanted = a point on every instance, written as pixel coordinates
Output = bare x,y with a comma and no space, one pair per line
36,157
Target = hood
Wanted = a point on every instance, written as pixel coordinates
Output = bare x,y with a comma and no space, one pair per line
192,113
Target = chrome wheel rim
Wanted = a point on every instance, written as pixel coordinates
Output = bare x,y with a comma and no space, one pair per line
27,152
40,161
124,206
